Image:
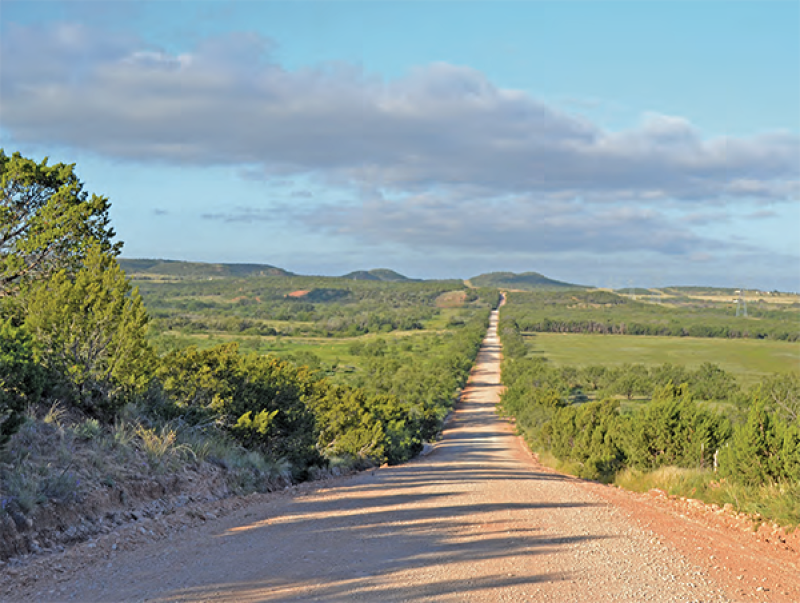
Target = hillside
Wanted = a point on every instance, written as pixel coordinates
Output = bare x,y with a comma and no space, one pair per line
525,281
376,274
144,268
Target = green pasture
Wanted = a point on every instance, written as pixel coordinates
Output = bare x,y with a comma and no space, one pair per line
747,359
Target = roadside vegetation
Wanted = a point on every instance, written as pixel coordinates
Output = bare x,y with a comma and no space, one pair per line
693,431
99,394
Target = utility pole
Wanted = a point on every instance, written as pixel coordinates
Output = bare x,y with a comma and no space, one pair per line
741,303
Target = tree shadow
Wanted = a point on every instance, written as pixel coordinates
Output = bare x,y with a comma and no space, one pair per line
357,589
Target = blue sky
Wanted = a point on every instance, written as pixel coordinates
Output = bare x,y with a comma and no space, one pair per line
605,143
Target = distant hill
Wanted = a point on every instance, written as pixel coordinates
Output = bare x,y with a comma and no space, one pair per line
178,269
377,274
526,280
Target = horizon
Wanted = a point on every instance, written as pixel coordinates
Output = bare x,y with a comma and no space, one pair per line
606,143
414,278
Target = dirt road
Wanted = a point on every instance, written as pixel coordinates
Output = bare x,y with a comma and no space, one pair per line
475,520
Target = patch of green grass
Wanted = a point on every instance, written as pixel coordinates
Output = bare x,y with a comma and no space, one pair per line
329,351
747,359
673,480
441,321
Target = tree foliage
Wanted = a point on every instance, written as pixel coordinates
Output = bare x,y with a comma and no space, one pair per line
92,327
48,221
673,430
553,414
590,434
753,456
22,380
260,401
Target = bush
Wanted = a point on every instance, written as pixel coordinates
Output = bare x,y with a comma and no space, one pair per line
91,329
22,379
765,449
589,434
260,400
673,430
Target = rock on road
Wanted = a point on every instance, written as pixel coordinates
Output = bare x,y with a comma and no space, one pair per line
475,520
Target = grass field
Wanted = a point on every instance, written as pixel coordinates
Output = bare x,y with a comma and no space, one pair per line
747,359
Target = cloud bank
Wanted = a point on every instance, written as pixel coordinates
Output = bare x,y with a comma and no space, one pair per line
442,125
440,158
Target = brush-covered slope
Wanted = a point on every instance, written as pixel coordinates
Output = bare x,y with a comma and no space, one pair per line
525,281
178,269
377,274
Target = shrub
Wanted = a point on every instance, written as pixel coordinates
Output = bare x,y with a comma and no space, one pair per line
763,450
91,329
261,401
22,380
673,430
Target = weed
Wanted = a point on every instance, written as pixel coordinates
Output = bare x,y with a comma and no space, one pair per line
123,433
154,444
62,488
55,414
778,502
88,430
158,444
23,490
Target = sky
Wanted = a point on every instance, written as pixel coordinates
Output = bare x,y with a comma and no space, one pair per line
604,143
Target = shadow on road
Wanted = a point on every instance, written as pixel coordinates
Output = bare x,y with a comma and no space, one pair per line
395,534
356,589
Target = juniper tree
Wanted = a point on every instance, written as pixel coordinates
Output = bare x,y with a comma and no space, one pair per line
91,327
47,221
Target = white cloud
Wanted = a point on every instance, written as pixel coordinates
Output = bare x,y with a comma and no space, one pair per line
227,102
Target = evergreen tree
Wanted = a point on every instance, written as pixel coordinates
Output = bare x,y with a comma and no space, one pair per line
91,327
22,380
754,454
47,221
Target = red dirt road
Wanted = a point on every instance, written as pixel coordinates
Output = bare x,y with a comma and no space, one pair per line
476,520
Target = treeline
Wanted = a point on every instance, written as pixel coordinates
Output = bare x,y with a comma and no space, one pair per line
611,314
758,444
423,374
299,320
